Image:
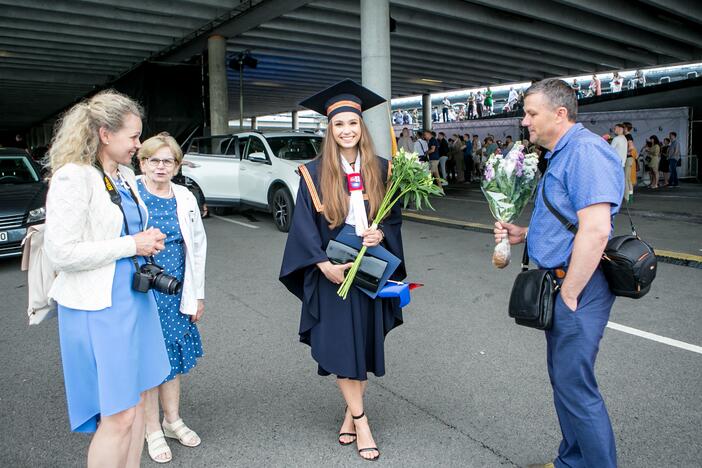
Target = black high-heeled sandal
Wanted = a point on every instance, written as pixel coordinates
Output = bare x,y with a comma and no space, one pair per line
367,449
348,434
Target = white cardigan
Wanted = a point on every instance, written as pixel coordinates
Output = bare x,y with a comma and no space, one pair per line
195,242
83,236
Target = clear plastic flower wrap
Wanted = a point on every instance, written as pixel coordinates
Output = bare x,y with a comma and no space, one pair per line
508,183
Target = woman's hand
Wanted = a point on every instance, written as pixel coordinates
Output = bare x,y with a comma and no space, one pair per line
372,237
515,234
334,273
200,310
149,242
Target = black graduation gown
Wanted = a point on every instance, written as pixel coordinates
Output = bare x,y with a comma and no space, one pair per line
346,336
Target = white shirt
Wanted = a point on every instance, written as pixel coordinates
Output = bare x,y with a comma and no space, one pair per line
619,144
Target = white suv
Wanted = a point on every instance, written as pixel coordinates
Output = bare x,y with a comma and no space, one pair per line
250,169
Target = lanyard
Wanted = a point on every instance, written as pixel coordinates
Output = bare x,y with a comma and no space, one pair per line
117,200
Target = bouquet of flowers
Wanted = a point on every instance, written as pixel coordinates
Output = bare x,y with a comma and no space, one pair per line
508,184
411,180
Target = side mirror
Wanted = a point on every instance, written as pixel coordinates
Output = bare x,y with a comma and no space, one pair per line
258,157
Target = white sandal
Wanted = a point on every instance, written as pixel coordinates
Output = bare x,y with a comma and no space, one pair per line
178,430
156,443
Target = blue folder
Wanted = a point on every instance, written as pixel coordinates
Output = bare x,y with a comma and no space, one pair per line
348,237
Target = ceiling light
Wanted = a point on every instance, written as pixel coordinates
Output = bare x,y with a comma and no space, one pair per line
429,80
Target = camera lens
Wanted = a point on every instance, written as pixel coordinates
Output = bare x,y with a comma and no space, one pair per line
167,284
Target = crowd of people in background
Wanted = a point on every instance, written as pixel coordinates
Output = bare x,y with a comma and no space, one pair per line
455,158
482,103
461,158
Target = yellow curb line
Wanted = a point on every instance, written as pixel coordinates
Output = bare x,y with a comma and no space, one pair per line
486,227
679,255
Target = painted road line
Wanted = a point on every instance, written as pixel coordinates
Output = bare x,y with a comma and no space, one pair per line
667,256
234,221
654,337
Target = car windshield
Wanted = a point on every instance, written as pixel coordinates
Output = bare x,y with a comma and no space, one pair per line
17,170
295,148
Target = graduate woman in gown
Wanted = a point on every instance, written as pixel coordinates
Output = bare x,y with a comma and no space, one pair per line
346,336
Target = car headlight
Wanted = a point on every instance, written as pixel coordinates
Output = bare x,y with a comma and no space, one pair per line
38,214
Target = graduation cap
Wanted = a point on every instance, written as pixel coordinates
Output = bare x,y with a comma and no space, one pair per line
344,96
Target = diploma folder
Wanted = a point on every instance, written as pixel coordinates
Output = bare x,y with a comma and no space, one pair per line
376,266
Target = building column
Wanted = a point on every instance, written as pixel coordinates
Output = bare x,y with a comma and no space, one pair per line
219,97
254,124
375,69
426,111
295,120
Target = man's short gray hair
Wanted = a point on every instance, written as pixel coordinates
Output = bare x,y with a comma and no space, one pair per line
558,93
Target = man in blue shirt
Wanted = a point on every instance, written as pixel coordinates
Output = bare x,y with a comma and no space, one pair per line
584,183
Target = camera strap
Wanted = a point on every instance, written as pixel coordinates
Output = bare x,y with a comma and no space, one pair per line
116,198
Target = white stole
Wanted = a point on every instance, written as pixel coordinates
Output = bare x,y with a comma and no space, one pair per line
357,216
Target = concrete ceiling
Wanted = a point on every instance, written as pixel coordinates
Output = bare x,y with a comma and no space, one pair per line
54,52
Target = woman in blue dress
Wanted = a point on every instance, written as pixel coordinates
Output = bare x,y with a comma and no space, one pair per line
173,210
111,341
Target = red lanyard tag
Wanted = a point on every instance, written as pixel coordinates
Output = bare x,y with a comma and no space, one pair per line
354,181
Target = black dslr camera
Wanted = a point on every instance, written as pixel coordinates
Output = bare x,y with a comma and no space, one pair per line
151,275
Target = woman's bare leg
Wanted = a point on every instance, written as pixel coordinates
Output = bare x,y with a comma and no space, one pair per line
352,391
110,444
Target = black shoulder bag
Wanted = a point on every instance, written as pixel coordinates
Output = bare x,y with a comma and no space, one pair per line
628,262
533,294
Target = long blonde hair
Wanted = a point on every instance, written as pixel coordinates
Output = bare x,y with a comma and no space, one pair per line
332,182
77,139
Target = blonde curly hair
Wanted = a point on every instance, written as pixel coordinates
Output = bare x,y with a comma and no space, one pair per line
77,139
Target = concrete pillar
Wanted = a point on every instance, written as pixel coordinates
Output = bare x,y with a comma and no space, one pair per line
48,132
219,98
426,111
254,124
295,120
375,69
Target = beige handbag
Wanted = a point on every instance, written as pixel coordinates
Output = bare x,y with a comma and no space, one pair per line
40,276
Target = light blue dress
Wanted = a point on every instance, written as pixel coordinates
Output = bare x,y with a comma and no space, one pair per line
182,337
111,356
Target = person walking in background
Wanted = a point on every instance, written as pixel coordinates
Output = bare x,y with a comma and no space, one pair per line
655,153
433,155
663,165
629,168
421,147
467,158
488,102
673,159
479,99
443,156
619,145
405,141
112,345
616,85
576,87
595,87
445,106
583,183
471,105
174,210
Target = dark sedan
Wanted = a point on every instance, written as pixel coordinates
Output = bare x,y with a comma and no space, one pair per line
22,198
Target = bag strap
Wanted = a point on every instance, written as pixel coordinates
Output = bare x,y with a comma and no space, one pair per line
117,200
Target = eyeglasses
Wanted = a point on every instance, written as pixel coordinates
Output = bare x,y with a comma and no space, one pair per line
155,162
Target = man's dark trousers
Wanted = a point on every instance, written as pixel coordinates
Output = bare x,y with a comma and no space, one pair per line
572,345
673,169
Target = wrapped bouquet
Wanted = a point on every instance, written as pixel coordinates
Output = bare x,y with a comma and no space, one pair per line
410,181
508,183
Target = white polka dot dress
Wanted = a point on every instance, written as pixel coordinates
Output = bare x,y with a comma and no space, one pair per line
182,337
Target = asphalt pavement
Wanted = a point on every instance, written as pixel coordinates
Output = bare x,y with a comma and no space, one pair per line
464,387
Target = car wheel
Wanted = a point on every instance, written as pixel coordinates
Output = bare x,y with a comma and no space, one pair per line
282,209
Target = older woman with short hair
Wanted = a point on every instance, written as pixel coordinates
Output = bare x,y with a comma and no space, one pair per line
174,210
